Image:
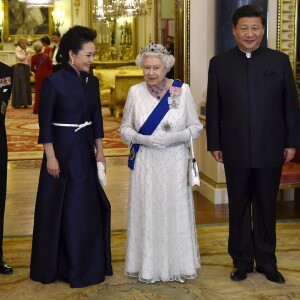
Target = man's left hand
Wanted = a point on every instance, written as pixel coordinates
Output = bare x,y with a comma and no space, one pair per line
289,154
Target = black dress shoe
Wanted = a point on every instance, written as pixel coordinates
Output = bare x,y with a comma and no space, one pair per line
5,268
238,275
274,276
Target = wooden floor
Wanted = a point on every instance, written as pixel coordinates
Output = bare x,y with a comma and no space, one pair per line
23,180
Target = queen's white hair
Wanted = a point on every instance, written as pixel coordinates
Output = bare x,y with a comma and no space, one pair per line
160,51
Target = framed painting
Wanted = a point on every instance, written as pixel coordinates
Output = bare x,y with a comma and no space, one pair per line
20,20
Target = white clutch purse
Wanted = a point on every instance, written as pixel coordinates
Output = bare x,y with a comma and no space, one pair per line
101,173
193,170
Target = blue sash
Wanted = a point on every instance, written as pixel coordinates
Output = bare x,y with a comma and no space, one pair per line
40,61
152,122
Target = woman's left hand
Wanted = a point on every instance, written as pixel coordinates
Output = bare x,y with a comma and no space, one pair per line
289,154
100,157
99,152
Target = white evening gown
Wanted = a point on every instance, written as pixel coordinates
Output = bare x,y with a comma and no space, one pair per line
161,232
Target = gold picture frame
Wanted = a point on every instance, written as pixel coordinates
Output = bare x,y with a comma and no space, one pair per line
20,21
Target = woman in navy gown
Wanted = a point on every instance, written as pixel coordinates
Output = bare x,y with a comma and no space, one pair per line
71,235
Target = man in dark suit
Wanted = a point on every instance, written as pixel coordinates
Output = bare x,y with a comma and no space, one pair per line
56,58
5,91
253,127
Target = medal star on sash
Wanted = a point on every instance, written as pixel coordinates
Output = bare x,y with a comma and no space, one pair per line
166,126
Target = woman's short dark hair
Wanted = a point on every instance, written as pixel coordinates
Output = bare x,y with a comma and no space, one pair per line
74,39
46,40
248,11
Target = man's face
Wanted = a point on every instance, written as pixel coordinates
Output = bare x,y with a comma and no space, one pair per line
55,39
248,33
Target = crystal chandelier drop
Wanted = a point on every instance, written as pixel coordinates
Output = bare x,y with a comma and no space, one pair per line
38,3
114,9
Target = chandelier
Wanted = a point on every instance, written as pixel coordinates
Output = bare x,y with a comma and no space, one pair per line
37,3
120,8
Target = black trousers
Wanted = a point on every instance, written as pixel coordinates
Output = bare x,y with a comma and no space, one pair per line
3,180
252,216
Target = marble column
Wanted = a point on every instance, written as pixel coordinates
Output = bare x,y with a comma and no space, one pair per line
224,12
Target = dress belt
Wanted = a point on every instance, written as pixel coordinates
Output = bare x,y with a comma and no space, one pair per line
78,126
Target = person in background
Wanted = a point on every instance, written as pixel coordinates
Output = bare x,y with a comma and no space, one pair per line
21,90
253,127
5,92
71,234
161,233
46,44
41,66
56,57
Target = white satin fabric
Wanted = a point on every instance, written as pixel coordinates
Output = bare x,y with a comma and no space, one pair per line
161,234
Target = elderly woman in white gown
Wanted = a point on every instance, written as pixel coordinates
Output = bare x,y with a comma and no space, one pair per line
161,233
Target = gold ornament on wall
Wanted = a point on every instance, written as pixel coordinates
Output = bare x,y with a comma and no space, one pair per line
76,4
286,29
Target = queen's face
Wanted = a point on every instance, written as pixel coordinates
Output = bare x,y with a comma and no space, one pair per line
84,58
154,70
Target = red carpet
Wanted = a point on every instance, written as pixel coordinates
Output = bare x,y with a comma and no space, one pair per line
22,131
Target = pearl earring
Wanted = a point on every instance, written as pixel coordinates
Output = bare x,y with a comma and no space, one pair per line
73,62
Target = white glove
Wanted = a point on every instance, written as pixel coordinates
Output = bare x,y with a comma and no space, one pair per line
101,173
169,138
145,140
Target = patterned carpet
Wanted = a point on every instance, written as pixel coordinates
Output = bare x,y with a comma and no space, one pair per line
22,132
212,282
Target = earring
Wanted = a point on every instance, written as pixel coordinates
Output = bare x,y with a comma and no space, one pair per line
73,61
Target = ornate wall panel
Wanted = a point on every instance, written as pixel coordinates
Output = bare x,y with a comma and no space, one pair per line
287,29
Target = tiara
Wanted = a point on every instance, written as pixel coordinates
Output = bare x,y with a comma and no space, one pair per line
153,48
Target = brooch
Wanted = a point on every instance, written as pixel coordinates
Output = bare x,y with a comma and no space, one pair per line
166,126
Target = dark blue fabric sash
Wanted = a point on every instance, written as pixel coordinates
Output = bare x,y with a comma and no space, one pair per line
40,61
152,122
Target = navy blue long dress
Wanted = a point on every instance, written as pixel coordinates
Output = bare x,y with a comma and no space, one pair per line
71,235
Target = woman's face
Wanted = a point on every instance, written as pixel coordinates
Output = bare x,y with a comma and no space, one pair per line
23,44
84,58
154,70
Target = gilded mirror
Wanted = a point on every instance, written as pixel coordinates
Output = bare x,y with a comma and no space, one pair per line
116,39
173,25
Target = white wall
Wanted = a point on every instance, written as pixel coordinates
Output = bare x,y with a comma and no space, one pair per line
272,24
202,29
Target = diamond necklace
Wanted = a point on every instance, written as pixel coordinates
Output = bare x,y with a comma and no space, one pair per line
159,90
